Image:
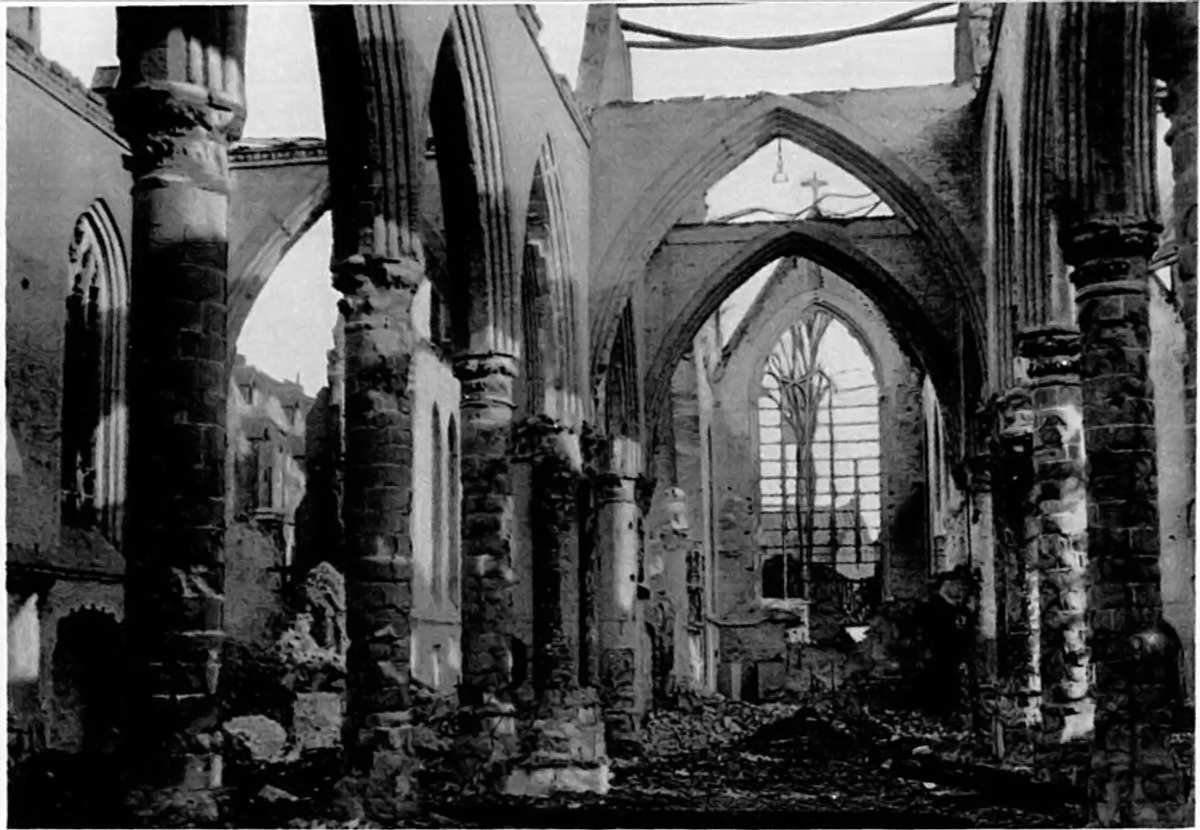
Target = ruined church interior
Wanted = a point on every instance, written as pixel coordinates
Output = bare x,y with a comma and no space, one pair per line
566,427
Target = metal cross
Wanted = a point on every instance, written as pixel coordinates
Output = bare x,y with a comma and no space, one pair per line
815,184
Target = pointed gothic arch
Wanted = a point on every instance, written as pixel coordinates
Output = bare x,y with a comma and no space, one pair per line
831,247
548,298
465,137
705,159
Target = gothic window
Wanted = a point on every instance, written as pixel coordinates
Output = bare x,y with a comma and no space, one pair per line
93,413
819,461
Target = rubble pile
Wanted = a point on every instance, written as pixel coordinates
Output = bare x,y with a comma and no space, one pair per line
708,722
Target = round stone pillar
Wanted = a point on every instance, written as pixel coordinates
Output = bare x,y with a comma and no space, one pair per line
616,465
1059,503
179,104
1134,779
556,467
1017,583
564,730
488,622
377,493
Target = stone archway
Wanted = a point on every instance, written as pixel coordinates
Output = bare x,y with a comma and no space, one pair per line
917,310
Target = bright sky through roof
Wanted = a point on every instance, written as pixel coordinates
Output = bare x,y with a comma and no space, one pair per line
288,330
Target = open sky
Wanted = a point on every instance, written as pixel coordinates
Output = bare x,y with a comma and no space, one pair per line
289,329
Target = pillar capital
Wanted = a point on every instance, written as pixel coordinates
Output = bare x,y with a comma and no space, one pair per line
181,95
1051,352
468,367
1100,248
353,274
540,435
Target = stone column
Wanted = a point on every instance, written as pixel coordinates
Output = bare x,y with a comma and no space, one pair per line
556,467
1059,506
1108,235
622,690
1133,780
565,731
377,494
179,104
488,624
1016,576
984,667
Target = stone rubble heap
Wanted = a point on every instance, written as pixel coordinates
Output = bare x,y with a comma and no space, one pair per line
709,722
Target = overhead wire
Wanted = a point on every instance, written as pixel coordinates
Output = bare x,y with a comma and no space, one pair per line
683,40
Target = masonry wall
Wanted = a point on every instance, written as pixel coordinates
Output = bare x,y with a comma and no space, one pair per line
61,158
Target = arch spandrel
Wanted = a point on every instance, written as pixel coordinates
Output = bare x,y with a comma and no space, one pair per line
280,192
815,121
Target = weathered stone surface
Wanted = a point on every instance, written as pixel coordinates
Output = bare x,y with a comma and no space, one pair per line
317,719
261,737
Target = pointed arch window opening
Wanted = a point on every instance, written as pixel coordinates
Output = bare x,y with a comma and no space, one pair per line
93,440
819,462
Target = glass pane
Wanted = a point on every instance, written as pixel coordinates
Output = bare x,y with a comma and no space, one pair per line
869,432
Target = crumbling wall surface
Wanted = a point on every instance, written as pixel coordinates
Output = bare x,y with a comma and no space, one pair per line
75,696
254,580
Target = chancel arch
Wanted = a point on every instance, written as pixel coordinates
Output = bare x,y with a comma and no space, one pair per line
927,330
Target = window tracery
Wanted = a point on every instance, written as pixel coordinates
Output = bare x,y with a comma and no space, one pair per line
93,411
819,460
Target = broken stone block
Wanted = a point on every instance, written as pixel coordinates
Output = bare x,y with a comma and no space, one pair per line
543,782
317,719
263,738
275,795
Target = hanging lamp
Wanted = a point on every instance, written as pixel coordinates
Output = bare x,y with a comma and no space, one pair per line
780,176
